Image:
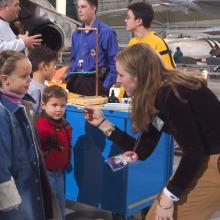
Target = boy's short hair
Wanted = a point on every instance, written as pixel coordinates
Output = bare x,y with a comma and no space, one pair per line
142,11
93,2
53,91
41,54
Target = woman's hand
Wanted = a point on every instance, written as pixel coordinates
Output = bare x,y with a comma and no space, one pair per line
96,117
130,156
93,115
165,208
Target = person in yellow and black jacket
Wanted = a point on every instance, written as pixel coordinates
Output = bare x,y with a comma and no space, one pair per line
138,21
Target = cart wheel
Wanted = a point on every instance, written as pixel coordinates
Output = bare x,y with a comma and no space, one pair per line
116,216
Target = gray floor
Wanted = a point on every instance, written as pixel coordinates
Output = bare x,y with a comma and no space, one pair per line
78,211
83,212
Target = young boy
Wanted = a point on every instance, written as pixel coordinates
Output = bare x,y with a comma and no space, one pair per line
55,134
43,62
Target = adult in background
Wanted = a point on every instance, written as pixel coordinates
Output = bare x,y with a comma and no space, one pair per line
178,55
180,104
81,78
138,21
9,10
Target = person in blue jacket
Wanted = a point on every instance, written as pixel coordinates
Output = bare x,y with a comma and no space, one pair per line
81,78
24,190
178,55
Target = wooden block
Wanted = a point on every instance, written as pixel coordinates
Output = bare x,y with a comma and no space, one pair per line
88,100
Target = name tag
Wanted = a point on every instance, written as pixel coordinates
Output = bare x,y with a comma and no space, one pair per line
121,161
80,63
158,123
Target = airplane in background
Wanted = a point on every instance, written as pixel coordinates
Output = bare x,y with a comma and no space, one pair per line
193,24
170,15
209,7
196,48
39,16
199,21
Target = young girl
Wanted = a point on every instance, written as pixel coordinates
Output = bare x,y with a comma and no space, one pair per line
21,176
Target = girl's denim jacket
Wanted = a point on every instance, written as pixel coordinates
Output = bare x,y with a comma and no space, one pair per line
20,181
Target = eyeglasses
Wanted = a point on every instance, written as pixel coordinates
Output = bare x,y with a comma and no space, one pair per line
129,17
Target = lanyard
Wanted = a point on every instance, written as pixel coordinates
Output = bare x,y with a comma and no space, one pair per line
137,142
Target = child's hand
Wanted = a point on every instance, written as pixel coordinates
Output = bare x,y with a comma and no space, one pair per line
93,115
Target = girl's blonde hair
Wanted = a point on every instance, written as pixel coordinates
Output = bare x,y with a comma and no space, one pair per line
143,62
8,61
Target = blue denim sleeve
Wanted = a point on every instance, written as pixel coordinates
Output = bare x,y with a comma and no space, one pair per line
10,197
5,145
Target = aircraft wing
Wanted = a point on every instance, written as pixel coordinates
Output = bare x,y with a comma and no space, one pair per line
210,7
176,7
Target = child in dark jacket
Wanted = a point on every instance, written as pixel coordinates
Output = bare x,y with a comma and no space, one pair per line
55,134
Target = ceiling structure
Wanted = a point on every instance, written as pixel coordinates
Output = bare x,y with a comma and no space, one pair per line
178,17
173,18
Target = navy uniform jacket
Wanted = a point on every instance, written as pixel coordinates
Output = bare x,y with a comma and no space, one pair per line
83,53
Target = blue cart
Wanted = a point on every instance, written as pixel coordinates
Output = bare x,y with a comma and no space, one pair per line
92,182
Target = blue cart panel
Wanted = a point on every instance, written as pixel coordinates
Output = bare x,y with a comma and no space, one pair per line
92,182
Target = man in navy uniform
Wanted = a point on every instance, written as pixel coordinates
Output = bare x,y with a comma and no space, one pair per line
81,78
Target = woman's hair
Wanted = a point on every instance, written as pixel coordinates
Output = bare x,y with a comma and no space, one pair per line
8,61
53,91
143,62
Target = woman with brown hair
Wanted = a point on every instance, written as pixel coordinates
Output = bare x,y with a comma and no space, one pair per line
180,104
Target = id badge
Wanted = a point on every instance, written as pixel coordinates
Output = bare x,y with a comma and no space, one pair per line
158,123
80,63
119,162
